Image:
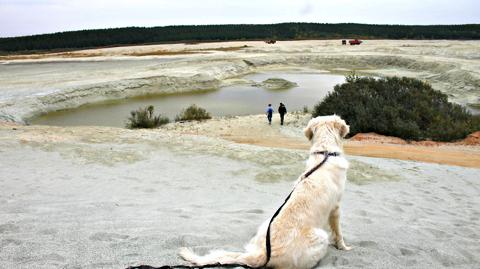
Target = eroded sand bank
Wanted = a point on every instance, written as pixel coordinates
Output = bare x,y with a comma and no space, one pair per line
33,86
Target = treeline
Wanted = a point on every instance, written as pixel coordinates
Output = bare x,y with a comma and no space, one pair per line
198,33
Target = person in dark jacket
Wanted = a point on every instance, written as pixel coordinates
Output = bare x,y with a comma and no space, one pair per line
269,112
282,110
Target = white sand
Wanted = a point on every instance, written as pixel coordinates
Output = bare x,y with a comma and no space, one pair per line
93,197
96,197
34,86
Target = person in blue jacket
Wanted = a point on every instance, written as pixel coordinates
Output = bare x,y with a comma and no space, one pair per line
269,112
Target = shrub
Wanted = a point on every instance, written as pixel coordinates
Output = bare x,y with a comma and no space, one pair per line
193,112
144,118
403,107
305,109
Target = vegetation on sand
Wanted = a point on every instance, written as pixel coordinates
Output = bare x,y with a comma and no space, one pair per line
144,118
193,112
403,107
198,33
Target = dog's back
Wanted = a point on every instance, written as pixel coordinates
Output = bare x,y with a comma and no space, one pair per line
297,235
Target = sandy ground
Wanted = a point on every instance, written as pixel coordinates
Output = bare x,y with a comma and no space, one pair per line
34,84
99,197
255,130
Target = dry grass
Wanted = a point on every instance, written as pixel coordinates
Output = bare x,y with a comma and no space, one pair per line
160,53
194,51
85,54
225,48
49,55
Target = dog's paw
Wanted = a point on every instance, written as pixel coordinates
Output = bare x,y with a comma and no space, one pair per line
344,247
186,254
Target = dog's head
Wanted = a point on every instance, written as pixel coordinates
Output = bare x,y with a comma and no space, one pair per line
332,122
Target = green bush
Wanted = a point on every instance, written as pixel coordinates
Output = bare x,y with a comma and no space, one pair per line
193,112
402,107
144,118
305,109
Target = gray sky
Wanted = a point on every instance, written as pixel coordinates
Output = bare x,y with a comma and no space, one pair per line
25,17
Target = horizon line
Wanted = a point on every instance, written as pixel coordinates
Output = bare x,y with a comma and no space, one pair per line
220,24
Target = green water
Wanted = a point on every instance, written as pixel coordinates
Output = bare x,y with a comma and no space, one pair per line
233,100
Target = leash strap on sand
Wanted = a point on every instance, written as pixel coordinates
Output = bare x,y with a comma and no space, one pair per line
268,246
326,154
191,266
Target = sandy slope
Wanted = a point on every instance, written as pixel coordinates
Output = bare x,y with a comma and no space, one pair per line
255,130
98,197
29,87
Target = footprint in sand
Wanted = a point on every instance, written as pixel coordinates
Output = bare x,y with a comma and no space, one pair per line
367,244
337,260
366,221
10,241
102,236
361,212
446,188
437,233
406,204
150,190
49,231
8,228
255,211
406,252
54,257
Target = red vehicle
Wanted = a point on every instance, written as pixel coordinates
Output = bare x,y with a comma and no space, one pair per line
355,42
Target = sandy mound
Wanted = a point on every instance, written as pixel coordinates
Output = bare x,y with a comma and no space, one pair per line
377,138
472,139
276,84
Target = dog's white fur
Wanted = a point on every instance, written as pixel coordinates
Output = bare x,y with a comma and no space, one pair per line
298,236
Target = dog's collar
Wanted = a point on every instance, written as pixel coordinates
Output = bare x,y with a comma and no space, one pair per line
325,153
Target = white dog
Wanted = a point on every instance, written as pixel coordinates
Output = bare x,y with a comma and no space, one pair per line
297,235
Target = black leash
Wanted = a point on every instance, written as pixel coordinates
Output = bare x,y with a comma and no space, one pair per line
215,265
268,246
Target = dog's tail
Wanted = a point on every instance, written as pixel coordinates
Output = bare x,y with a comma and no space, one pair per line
250,259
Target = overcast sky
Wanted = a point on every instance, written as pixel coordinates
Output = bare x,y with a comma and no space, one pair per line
26,17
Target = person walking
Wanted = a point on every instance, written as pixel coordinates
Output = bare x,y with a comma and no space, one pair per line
282,110
269,112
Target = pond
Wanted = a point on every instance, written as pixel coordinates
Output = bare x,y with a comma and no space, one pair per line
227,101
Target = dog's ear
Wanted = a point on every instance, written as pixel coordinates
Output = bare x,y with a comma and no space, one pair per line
342,127
308,132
